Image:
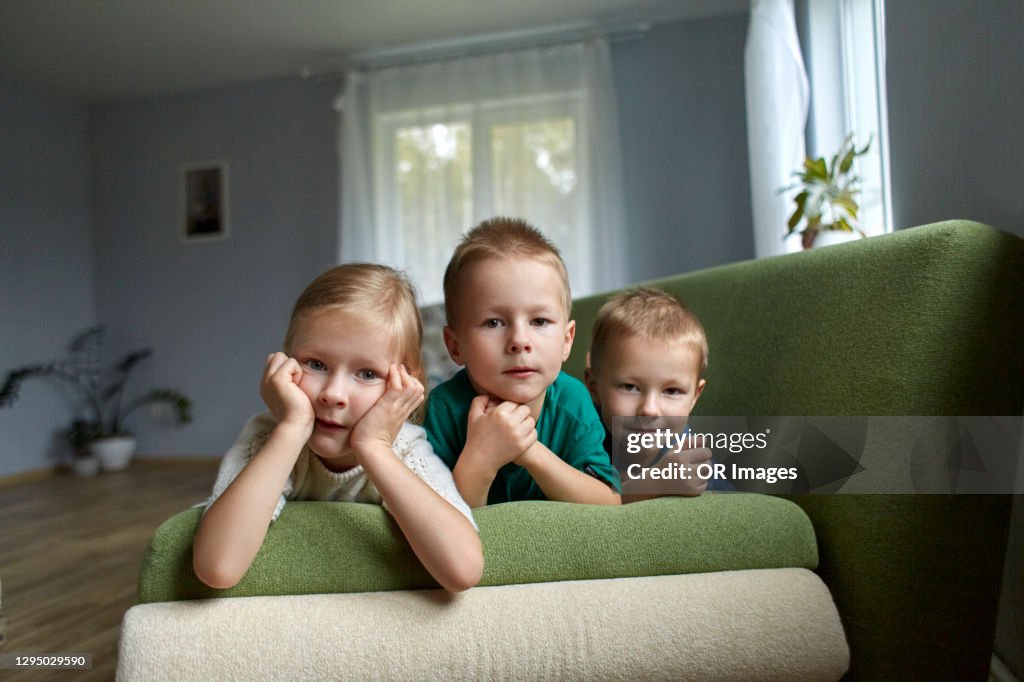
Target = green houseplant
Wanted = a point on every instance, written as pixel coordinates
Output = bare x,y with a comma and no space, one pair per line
99,427
827,197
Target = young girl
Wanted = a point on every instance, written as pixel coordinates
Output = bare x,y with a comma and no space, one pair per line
339,397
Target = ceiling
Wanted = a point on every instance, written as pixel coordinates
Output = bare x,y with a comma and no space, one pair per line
116,49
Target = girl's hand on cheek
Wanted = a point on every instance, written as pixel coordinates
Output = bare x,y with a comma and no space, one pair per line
280,391
384,420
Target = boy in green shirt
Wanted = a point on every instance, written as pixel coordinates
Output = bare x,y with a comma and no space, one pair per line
510,424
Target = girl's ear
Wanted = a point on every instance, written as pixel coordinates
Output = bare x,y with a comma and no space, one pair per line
452,344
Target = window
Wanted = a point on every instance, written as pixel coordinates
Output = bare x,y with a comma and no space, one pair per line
845,55
442,171
430,149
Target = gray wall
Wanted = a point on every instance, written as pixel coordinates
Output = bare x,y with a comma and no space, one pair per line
682,114
212,311
955,71
46,261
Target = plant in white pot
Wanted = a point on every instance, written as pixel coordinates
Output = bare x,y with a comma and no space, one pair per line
826,206
101,433
79,435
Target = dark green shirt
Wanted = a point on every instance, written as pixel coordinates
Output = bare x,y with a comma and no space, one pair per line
568,426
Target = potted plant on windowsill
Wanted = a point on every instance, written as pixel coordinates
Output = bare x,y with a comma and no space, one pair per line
826,206
101,433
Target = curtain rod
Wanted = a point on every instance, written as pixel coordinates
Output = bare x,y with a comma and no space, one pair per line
419,53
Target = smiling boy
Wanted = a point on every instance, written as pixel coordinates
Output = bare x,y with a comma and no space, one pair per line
510,424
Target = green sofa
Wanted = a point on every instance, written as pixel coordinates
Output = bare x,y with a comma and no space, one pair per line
926,321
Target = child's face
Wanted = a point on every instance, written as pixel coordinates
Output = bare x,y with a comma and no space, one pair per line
344,371
511,329
642,378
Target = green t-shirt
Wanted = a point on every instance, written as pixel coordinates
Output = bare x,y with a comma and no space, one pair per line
568,426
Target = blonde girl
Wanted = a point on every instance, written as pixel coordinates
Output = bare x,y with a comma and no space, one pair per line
339,397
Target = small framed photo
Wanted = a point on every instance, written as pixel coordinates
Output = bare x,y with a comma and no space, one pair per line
204,205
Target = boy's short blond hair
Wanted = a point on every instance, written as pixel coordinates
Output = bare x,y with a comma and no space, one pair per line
374,295
502,237
651,314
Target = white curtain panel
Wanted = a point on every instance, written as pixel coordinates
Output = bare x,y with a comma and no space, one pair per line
777,100
428,150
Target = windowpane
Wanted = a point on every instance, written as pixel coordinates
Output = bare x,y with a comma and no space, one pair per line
534,175
433,169
845,56
436,184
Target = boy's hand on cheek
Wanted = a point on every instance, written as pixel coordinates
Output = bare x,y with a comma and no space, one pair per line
384,420
499,432
280,390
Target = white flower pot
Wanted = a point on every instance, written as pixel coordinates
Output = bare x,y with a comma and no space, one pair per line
830,237
113,453
85,465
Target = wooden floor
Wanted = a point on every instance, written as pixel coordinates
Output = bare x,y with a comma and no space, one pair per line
70,550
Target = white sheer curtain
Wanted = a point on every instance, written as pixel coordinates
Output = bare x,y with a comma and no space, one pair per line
428,150
777,100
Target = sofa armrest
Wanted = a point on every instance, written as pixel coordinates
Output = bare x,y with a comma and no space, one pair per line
333,547
768,624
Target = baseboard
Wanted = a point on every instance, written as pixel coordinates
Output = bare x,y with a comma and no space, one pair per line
33,475
30,476
171,461
999,672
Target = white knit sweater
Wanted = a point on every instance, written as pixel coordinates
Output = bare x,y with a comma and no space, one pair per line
311,480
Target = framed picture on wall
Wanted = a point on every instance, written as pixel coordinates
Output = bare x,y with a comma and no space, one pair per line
204,205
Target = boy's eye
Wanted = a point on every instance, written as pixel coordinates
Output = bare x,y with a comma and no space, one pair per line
541,322
316,365
675,392
629,388
492,323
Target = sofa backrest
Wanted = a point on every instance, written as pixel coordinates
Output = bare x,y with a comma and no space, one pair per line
925,321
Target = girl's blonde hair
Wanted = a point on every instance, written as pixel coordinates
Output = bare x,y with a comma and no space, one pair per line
374,295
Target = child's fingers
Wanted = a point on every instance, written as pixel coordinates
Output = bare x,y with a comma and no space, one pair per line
527,427
270,372
522,413
507,407
393,381
410,384
698,455
478,406
294,370
274,361
280,365
286,369
418,401
529,437
416,384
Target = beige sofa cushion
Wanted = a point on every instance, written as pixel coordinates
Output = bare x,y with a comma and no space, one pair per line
772,624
